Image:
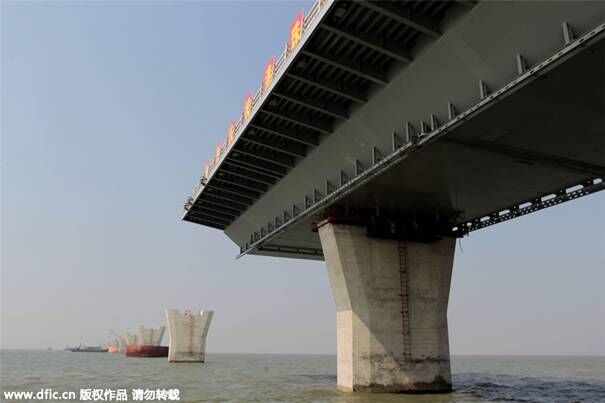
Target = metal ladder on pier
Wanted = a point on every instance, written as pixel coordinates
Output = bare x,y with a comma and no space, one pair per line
404,294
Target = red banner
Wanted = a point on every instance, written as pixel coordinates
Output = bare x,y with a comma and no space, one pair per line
247,106
231,132
296,31
217,155
268,73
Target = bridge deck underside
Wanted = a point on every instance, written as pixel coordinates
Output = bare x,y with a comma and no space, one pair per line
351,51
547,136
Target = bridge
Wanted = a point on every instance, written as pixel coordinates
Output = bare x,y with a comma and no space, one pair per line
386,130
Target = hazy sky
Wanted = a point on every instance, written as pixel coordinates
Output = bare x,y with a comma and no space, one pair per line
109,111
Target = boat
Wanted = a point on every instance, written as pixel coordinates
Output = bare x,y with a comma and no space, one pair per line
82,348
86,349
146,343
137,350
113,346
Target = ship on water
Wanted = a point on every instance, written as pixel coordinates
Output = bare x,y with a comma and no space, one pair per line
113,346
82,348
87,349
146,343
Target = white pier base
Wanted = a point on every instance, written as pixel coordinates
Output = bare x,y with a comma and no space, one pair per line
131,339
149,336
391,300
187,332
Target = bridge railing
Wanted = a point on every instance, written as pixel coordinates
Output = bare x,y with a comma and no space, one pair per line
257,101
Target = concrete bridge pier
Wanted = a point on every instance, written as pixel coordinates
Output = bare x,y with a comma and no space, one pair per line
131,339
187,333
123,344
150,336
391,300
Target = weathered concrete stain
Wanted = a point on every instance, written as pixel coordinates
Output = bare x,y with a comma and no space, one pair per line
366,283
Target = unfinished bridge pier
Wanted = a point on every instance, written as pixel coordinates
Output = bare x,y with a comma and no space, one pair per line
150,336
391,310
123,343
131,339
188,332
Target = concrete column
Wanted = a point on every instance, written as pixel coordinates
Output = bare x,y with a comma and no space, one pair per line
187,334
131,339
391,301
123,344
150,336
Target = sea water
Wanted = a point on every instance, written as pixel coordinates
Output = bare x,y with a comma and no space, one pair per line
300,378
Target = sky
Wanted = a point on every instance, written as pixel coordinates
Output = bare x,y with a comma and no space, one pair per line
109,111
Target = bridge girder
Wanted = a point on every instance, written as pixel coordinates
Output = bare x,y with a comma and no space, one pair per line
288,133
338,88
406,16
338,72
379,43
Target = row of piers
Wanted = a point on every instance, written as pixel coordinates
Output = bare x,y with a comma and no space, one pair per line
187,333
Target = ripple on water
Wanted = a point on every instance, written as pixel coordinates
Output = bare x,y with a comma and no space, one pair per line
300,378
493,387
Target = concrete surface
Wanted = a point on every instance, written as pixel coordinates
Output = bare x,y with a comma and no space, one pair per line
187,332
131,339
123,344
150,336
391,300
